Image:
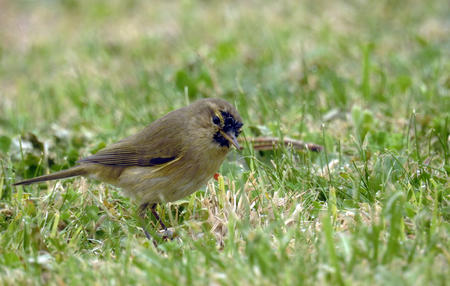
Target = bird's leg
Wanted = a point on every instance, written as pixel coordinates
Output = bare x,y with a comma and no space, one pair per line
155,214
168,234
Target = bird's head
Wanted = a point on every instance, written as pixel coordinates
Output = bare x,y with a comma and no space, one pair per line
217,122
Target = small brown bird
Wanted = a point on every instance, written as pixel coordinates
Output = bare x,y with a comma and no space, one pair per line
169,159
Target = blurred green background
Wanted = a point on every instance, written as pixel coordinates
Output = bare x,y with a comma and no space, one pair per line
369,80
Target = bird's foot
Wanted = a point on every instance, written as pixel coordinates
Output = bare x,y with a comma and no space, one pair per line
166,234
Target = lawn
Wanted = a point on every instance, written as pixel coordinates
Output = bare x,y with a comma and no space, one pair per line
367,80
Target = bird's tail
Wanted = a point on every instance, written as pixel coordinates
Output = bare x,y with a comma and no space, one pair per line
72,172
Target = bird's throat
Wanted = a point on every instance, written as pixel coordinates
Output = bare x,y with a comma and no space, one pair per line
219,139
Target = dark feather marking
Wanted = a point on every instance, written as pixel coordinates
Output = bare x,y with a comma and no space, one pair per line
159,161
230,124
221,140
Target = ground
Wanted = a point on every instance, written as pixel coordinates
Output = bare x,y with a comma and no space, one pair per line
368,80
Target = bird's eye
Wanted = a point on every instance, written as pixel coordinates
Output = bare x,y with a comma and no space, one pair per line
216,120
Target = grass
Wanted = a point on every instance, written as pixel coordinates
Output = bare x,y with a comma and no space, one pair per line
369,81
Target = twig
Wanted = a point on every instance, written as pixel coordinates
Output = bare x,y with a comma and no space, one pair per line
270,143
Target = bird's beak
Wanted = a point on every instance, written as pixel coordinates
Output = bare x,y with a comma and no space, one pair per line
231,138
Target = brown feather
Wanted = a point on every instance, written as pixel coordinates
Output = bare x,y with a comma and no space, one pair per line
156,144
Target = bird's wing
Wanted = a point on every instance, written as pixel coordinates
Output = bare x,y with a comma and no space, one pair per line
159,143
128,156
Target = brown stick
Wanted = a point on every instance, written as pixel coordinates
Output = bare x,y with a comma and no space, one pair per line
271,143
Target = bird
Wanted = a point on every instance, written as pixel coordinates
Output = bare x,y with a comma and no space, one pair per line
169,159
